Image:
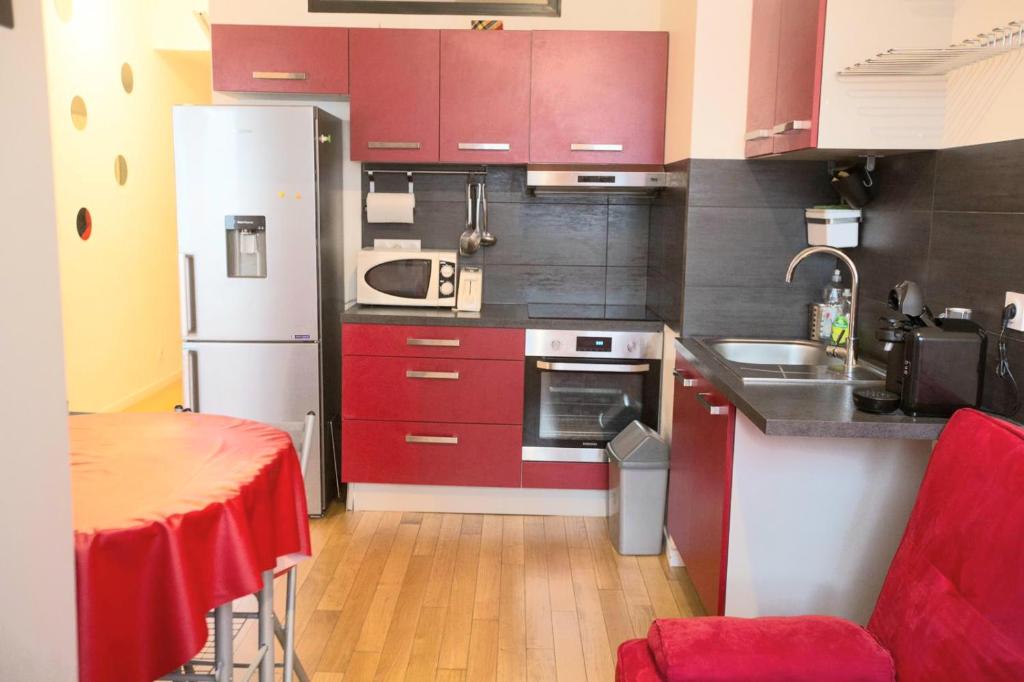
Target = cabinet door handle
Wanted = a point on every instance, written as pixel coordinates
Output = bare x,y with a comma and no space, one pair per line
485,146
759,134
446,343
279,75
791,127
416,374
579,147
393,145
717,410
431,440
687,382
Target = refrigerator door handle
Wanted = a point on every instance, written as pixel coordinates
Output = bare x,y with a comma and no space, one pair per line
191,381
188,284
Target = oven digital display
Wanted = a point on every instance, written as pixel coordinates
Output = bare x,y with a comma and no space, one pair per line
594,344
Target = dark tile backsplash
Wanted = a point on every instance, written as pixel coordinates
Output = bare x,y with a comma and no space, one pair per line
952,221
581,249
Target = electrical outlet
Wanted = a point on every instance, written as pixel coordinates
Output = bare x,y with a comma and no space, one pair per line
1017,321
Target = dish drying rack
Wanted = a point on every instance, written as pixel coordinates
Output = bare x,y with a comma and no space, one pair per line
940,61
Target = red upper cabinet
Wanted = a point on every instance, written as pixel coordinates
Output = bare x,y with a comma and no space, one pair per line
285,59
395,94
788,37
598,97
485,96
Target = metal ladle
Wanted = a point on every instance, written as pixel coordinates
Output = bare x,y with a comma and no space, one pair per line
486,238
469,240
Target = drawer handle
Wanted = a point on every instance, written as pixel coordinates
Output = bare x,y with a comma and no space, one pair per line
432,440
393,145
791,127
759,134
716,410
485,146
446,343
687,382
595,147
416,374
279,75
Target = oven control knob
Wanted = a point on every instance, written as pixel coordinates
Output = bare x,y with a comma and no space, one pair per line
447,288
447,271
556,345
631,346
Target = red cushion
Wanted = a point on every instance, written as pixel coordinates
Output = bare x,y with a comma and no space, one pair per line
635,663
952,607
800,649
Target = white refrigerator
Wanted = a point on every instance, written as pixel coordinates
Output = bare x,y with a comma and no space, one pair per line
260,246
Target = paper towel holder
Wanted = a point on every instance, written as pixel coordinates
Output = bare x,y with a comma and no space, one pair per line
408,177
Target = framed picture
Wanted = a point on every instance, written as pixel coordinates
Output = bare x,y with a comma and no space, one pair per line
537,8
7,13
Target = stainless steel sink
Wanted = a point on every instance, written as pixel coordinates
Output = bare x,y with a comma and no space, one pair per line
787,361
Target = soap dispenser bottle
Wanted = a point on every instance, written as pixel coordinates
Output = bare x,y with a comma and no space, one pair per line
823,314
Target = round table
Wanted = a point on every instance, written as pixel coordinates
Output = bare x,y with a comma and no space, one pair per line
174,515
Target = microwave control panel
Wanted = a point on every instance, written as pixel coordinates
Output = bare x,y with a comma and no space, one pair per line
446,279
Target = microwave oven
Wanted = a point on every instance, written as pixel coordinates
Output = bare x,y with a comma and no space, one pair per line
406,278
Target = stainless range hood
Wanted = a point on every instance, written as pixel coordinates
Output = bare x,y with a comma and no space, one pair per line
557,179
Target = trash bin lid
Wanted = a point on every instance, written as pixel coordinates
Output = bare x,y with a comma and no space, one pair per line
638,447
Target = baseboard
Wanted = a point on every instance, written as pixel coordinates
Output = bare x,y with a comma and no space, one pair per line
143,393
466,500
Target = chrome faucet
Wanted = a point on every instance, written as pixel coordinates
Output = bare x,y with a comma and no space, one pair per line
849,352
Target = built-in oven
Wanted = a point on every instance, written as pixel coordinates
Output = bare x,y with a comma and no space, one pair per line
583,388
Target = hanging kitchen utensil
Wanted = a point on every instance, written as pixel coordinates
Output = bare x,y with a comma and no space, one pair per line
483,225
469,240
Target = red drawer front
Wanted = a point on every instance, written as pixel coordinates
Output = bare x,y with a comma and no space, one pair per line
433,342
456,391
565,475
280,59
468,454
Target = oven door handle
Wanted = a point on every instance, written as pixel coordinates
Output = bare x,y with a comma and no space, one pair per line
592,367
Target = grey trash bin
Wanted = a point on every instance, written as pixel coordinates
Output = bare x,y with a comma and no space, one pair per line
638,478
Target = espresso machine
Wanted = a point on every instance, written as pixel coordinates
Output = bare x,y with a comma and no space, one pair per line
934,365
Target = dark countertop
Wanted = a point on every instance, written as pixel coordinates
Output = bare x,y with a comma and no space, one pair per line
813,410
503,315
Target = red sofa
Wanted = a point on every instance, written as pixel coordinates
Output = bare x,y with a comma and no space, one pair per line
951,608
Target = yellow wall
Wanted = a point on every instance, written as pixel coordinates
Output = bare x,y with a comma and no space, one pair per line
119,288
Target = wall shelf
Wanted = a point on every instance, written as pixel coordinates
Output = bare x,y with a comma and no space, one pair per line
940,61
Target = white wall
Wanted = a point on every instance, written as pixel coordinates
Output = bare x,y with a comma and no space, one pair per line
721,69
985,101
607,15
37,582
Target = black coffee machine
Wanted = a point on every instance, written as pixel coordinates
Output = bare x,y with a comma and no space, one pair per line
934,365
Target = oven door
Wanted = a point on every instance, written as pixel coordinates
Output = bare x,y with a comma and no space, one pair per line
404,281
573,407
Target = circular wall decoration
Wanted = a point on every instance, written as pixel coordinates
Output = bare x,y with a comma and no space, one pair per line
127,78
63,8
83,223
121,169
79,114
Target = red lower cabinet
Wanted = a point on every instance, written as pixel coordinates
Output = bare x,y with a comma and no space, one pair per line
565,475
432,390
431,453
700,483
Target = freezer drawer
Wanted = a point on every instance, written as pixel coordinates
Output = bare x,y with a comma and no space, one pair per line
275,383
247,222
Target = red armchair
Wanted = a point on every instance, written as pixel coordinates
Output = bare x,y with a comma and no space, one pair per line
951,608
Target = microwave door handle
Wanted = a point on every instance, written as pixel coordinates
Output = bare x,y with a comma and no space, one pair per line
592,367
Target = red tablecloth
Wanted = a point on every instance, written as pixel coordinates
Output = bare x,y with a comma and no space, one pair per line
174,514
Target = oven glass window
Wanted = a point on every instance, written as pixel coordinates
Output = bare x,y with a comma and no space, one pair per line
588,406
406,278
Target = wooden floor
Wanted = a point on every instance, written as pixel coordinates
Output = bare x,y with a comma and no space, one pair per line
408,596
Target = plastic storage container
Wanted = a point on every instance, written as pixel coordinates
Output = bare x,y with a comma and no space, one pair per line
838,227
638,481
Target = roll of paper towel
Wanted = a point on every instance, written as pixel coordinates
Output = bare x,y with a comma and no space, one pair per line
390,207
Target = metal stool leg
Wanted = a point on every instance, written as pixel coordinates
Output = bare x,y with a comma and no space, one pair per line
223,643
289,626
265,625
